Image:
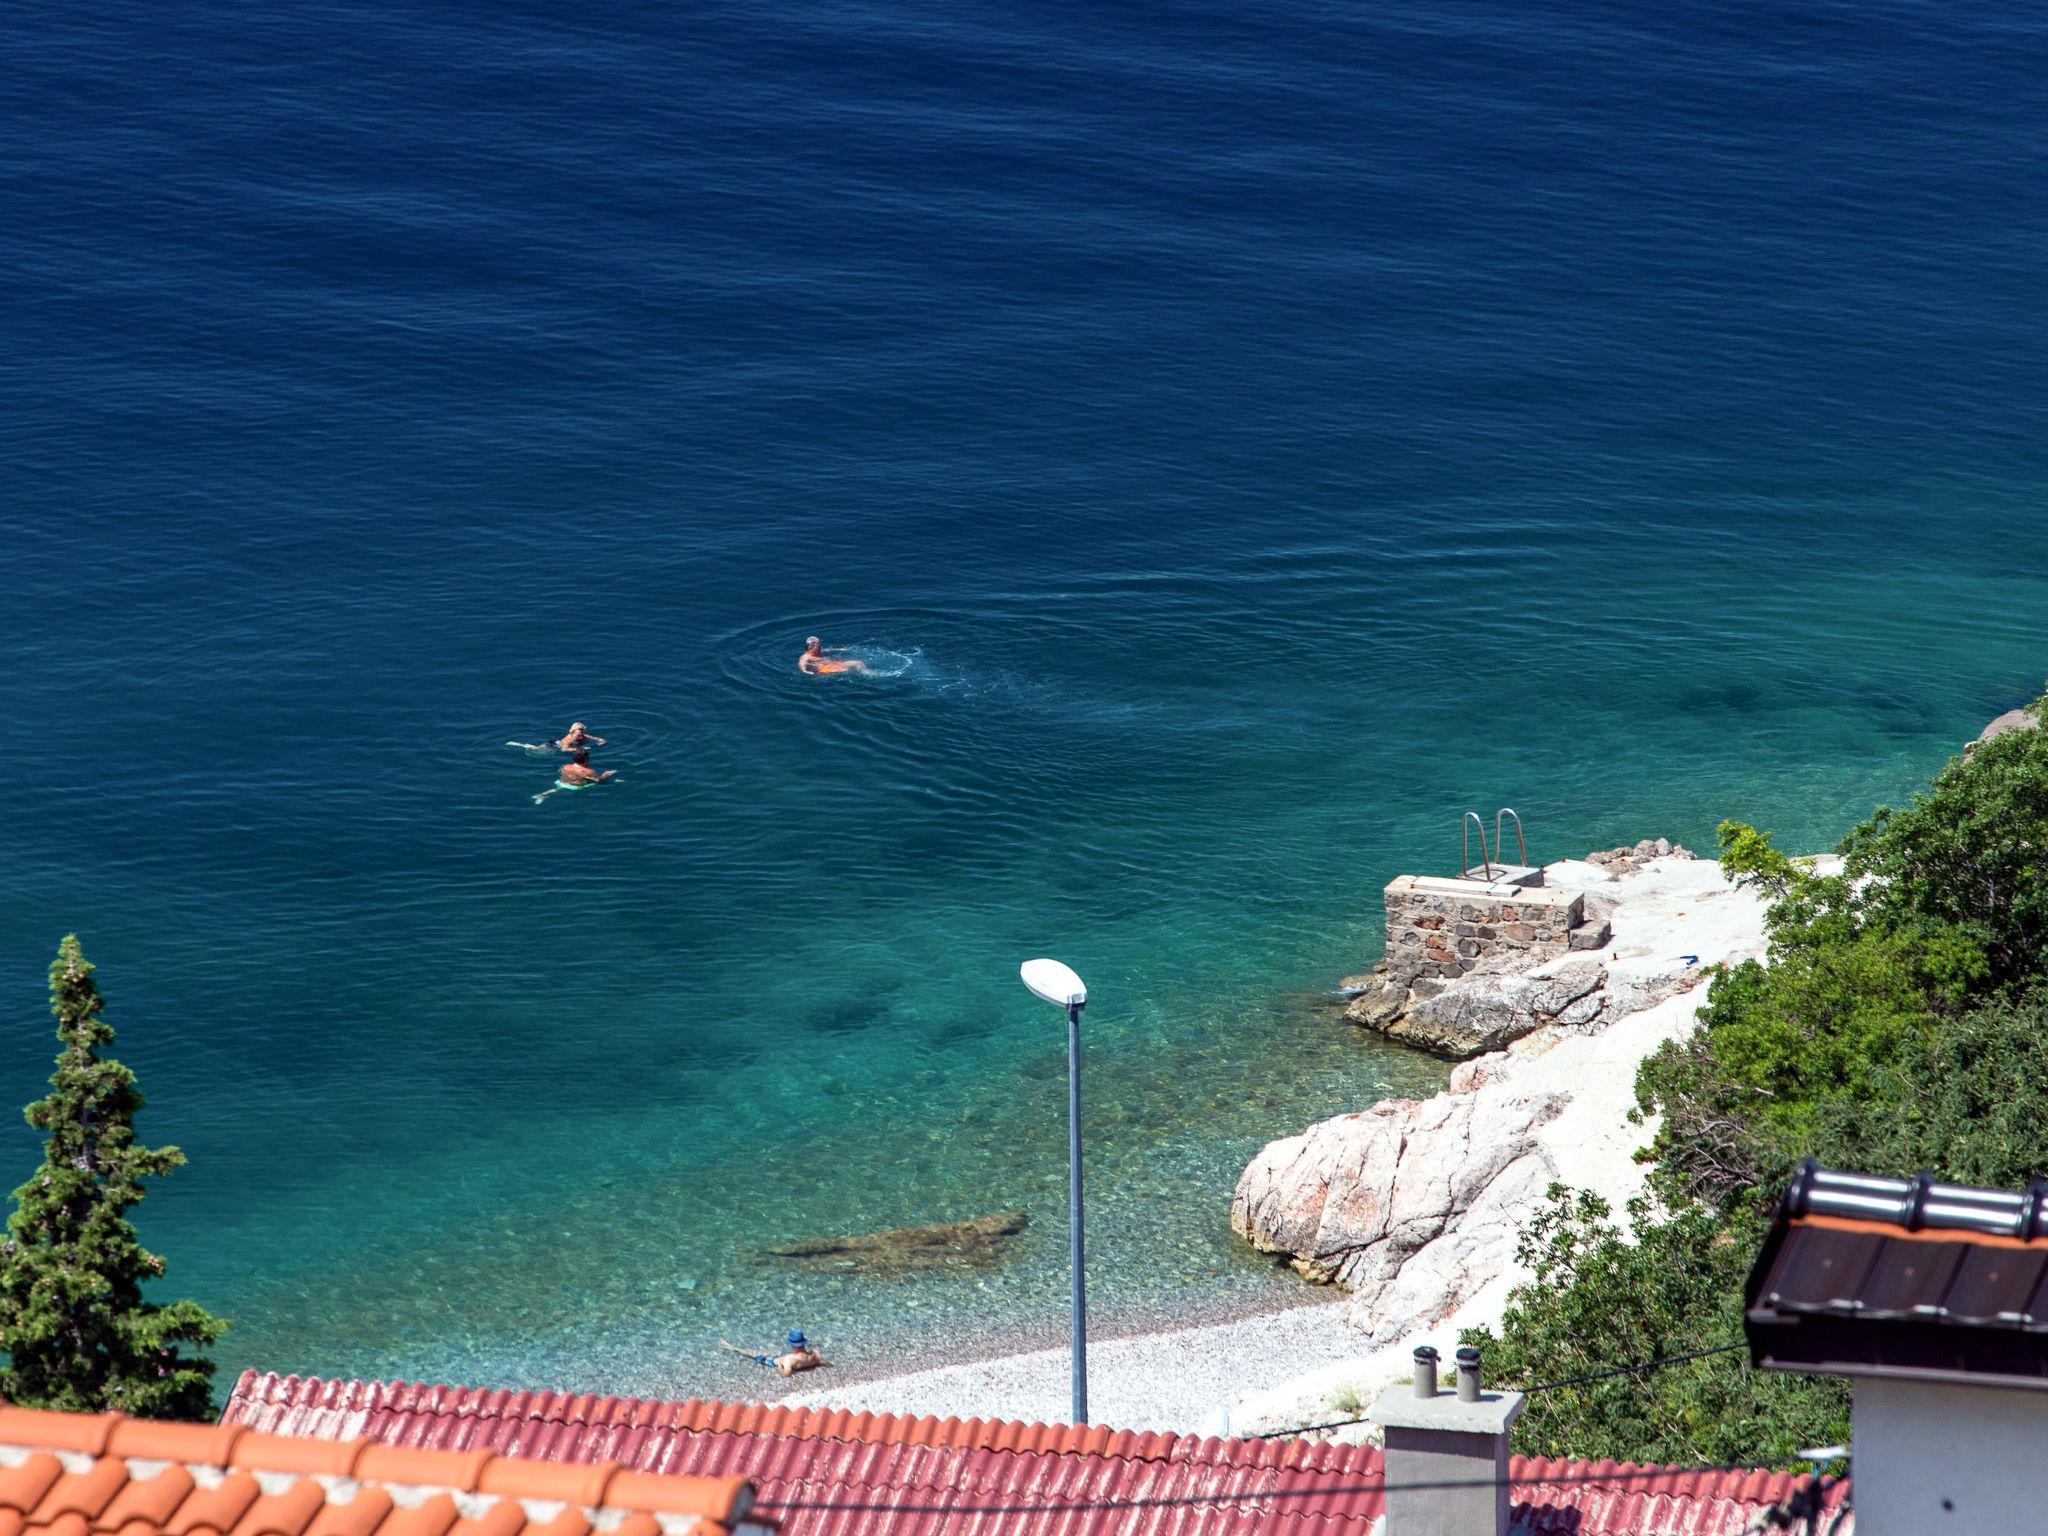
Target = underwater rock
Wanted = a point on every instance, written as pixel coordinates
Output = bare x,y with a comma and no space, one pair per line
977,1243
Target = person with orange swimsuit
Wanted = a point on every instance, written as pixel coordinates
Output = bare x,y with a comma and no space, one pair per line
816,662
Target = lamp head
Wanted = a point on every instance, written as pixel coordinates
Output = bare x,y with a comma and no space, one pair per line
1055,983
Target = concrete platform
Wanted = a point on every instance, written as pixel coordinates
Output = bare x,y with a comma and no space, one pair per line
1506,874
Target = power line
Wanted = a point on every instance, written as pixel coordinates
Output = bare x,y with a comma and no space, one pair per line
1169,1501
1632,1370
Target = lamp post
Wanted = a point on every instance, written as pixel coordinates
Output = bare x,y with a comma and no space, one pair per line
1056,984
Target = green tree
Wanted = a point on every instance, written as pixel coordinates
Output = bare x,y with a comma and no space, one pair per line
1965,1101
1972,853
1784,1050
1901,1024
77,1331
1596,1300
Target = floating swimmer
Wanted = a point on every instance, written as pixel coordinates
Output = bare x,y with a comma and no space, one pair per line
576,774
798,1354
815,661
575,737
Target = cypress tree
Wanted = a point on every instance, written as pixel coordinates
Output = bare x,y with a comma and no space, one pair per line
77,1332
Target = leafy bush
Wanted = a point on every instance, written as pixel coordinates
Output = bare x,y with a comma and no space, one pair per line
1784,1049
1901,1024
1971,854
1965,1101
1597,1299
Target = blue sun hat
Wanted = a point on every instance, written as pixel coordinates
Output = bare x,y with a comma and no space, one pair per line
797,1340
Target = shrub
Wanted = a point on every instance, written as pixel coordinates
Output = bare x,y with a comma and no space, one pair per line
1783,1049
1597,1300
1971,853
1966,1101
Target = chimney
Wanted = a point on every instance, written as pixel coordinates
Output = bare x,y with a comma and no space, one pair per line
1447,1452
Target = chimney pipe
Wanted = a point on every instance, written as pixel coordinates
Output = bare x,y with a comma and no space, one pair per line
1468,1373
1446,1459
1425,1370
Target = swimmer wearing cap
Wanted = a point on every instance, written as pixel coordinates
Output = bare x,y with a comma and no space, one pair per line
815,661
798,1354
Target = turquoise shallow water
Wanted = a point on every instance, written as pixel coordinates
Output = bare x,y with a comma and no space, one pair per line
1263,441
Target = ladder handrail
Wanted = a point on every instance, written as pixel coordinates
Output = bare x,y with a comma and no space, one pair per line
1521,846
1465,843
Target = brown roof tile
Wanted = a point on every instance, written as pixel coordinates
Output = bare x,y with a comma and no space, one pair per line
1866,1276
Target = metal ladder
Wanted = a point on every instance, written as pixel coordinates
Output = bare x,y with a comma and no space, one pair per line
1487,859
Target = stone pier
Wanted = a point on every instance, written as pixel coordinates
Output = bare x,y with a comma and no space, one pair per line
1472,964
1441,928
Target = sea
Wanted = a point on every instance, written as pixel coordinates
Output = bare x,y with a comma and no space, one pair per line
1241,439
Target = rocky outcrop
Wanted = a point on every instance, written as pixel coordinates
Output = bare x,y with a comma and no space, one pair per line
2011,720
1485,1012
1416,1207
1361,1199
1505,980
1627,859
1511,999
978,1243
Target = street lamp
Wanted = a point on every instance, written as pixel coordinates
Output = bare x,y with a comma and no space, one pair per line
1058,985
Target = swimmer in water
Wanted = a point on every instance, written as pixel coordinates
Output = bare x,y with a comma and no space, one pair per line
815,661
578,737
578,771
575,774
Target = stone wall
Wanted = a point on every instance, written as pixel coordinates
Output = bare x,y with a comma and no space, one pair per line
1442,928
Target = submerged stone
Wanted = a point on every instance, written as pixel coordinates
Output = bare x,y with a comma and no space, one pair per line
981,1242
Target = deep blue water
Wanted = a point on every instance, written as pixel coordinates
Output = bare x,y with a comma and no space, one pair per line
1266,432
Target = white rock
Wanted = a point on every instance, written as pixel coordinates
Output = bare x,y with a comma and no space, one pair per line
1352,1199
1432,1250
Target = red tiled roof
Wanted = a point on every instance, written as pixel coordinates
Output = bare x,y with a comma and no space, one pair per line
73,1474
933,1475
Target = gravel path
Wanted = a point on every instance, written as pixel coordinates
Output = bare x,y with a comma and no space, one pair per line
1183,1380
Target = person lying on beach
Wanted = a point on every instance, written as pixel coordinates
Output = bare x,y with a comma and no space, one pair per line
578,737
815,660
798,1354
577,771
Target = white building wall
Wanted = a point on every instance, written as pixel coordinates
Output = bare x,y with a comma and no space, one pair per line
1930,1458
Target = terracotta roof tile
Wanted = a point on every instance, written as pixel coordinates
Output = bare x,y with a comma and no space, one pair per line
217,1508
360,1516
292,1453
151,1500
504,1518
939,1477
283,1514
433,1517
85,1493
199,1445
105,1475
570,1522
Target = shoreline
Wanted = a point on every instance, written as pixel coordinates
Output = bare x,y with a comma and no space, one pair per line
990,1346
1315,1361
1181,1379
